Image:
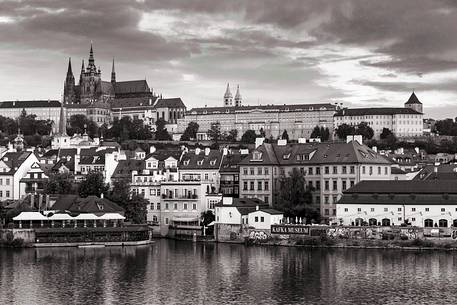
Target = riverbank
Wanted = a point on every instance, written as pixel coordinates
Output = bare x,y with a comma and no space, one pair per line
325,242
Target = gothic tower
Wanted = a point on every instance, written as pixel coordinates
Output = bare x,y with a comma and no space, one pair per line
69,86
113,75
228,98
238,97
90,86
414,103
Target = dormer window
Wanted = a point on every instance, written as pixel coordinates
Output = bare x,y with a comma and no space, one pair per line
257,155
298,157
212,162
186,162
305,157
286,156
100,206
200,162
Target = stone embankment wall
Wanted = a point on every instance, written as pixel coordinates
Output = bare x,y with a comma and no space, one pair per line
27,235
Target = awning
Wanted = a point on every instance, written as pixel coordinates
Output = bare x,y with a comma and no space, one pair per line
184,219
111,216
86,216
24,216
61,217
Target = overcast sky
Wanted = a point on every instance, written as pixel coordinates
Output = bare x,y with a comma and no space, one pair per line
361,53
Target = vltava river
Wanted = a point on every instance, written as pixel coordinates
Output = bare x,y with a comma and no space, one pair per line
171,272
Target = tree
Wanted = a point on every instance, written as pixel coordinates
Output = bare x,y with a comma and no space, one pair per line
385,133
232,135
321,132
295,198
191,132
79,123
285,135
134,206
248,137
93,185
59,184
344,130
365,130
214,133
161,133
208,217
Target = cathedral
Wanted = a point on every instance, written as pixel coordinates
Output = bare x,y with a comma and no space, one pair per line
94,97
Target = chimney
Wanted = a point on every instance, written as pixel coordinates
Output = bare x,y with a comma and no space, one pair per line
101,195
197,151
301,140
282,142
225,151
152,149
435,169
207,151
256,207
375,149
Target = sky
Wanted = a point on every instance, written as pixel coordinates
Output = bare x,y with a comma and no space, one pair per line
362,53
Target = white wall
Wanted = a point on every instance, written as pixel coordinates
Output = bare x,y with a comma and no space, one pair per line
268,220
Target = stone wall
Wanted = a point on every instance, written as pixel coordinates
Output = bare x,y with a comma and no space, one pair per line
28,235
231,232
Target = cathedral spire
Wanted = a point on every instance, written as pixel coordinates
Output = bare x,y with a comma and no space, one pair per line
62,121
91,58
113,74
228,98
69,71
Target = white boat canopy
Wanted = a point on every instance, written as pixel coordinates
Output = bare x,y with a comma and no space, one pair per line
27,216
112,216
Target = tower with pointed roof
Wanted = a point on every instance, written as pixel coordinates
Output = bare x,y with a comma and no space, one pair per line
228,98
69,86
414,103
113,74
90,81
238,98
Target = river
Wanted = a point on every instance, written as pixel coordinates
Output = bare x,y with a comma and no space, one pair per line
176,272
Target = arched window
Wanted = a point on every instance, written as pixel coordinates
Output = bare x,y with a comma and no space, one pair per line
428,223
372,221
442,223
386,222
154,219
358,221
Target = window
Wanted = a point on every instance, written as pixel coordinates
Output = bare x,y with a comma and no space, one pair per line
386,171
344,184
152,192
158,192
335,185
256,219
443,210
352,169
344,170
335,170
251,171
245,171
372,210
345,209
166,206
245,185
352,183
151,206
371,170
363,170
310,171
251,185
262,219
386,210
318,170
326,185
326,169
266,199
427,209
158,205
175,206
326,200
399,218
359,209
194,206
413,209
335,199
399,209
326,212
266,171
266,185
318,185
259,171
185,206
7,194
166,220
379,170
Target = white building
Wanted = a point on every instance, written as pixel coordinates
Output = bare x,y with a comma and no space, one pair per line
430,203
262,219
402,122
235,211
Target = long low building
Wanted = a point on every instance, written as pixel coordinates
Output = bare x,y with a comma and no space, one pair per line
431,203
402,122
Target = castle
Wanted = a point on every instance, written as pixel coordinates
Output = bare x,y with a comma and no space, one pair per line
94,97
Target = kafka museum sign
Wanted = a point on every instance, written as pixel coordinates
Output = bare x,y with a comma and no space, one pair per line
289,229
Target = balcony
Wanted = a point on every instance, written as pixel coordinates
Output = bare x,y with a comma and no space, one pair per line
188,197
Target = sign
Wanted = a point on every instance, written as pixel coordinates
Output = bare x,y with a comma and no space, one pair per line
289,229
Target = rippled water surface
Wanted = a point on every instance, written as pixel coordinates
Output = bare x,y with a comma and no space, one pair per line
170,272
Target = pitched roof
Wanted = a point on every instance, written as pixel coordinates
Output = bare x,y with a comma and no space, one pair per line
95,159
107,88
14,160
231,162
314,153
30,104
163,154
132,86
124,168
374,111
271,211
175,102
440,172
266,108
91,204
191,160
404,187
413,99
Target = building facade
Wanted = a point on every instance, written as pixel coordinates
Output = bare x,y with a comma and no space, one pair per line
402,122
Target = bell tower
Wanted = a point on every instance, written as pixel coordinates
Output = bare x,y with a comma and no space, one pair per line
228,98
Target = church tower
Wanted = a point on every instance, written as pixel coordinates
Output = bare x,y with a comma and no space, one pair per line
238,97
414,103
113,75
228,98
69,86
90,84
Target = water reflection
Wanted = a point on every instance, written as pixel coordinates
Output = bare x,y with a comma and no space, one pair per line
170,272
